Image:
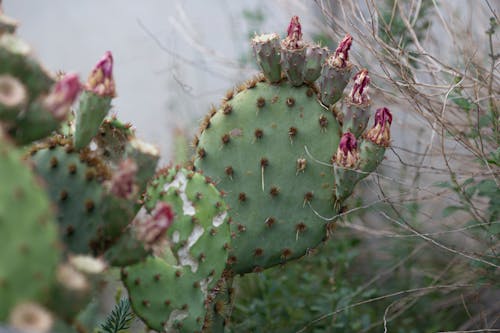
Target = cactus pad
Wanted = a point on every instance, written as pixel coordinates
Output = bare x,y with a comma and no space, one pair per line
28,234
90,219
175,296
262,154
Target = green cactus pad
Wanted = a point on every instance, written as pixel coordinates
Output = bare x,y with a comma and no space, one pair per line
29,251
170,296
35,124
165,296
201,218
90,219
269,149
16,60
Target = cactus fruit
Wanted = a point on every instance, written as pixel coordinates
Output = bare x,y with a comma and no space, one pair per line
95,101
357,111
293,53
269,148
267,52
45,115
29,249
354,161
376,140
335,73
176,295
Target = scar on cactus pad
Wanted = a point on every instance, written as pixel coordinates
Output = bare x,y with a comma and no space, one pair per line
263,147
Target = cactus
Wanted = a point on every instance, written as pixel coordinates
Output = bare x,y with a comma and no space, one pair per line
76,280
95,101
174,295
270,147
357,112
31,103
273,159
29,249
91,218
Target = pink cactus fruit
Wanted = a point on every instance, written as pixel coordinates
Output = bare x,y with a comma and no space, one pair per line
63,95
101,80
340,58
359,92
122,183
347,153
380,133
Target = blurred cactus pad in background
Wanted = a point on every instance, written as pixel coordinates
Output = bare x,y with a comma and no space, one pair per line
247,231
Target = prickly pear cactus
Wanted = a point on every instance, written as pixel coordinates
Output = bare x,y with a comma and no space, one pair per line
173,293
29,249
271,146
90,218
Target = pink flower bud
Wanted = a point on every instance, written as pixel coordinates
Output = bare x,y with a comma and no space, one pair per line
359,93
152,230
101,80
380,133
62,96
341,55
294,35
347,152
123,181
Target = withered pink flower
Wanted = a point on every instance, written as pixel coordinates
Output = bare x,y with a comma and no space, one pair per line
380,133
293,39
122,183
152,230
101,80
359,92
63,95
340,58
347,153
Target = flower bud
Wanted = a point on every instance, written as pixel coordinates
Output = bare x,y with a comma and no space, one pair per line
359,92
62,96
380,132
347,153
101,80
293,41
340,58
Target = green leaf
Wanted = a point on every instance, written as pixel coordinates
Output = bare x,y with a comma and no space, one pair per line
444,184
119,319
488,188
452,209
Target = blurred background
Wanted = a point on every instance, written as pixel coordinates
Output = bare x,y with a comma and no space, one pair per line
418,251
